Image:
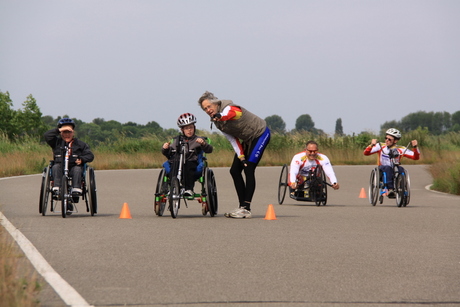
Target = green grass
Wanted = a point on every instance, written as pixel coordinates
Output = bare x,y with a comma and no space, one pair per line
19,284
29,156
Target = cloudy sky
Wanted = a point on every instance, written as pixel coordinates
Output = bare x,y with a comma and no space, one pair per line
366,62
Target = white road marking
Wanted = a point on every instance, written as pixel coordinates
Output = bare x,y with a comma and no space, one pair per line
68,294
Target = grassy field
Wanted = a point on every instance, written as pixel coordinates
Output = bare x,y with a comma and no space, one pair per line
442,153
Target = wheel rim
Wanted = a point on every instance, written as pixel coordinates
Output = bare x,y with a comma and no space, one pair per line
174,197
64,196
92,192
211,191
282,185
45,191
374,187
400,190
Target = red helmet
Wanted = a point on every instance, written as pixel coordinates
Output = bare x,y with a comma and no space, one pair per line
186,119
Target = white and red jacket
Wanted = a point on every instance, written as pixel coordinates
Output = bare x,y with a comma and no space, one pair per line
301,166
384,153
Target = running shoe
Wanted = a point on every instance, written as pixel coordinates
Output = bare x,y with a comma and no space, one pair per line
239,213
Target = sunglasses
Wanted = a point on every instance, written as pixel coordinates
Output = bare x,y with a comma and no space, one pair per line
312,151
388,139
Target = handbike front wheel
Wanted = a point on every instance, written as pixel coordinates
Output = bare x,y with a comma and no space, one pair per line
400,189
282,185
174,197
64,200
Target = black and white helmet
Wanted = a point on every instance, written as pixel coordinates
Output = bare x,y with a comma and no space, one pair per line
394,133
186,119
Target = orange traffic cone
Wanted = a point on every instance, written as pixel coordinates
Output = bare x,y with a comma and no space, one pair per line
362,194
270,215
125,213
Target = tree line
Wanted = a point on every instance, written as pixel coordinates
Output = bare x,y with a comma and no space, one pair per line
30,122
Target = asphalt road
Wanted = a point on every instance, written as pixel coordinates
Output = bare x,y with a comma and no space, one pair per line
345,253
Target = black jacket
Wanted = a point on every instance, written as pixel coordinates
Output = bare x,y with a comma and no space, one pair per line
80,150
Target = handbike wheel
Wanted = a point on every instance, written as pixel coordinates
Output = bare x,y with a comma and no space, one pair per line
174,197
374,186
45,191
160,193
407,177
318,187
64,199
400,189
211,192
92,191
283,183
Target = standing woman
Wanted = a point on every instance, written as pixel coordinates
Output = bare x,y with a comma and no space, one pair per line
249,136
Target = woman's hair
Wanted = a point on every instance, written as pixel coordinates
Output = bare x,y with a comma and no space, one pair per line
207,95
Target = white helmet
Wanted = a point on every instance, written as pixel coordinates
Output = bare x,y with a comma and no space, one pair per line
394,132
186,119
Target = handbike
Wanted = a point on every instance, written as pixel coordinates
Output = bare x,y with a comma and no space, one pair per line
67,200
378,187
169,188
314,189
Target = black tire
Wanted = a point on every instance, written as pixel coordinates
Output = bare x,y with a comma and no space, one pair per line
45,191
91,182
174,197
407,177
211,192
283,184
64,199
374,184
161,190
318,187
400,189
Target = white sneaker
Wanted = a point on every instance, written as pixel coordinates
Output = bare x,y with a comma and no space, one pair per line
240,213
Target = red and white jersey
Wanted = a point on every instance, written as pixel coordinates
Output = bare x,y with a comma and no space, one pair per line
301,165
384,153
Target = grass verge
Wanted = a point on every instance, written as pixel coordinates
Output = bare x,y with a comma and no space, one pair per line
19,285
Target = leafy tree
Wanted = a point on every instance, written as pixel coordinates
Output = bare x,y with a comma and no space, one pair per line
388,125
29,119
338,127
304,122
276,123
7,116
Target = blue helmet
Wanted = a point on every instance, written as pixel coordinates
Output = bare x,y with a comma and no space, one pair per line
66,121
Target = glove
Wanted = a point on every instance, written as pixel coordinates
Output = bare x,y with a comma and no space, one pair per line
217,116
245,163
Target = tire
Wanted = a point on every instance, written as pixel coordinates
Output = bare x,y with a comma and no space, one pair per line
45,191
283,183
91,182
160,193
211,192
174,197
64,199
374,183
318,188
407,200
400,189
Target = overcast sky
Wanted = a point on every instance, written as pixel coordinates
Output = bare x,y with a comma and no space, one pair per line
366,62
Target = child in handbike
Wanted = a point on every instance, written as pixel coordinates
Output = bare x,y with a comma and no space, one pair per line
196,146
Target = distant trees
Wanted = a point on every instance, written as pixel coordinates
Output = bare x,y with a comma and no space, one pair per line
305,123
23,122
436,122
276,123
338,127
